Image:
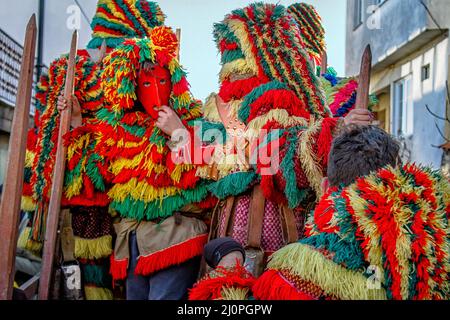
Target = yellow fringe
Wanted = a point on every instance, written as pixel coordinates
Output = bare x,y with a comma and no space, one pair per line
78,144
141,158
239,29
210,111
29,158
334,279
141,191
27,204
309,161
34,246
23,238
94,293
279,115
93,248
234,294
239,66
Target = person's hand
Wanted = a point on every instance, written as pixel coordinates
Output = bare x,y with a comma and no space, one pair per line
168,121
76,119
359,116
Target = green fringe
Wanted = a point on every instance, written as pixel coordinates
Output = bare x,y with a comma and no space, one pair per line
140,210
345,253
97,275
294,195
206,125
244,110
233,184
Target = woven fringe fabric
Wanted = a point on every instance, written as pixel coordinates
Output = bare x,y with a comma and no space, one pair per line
268,40
384,237
311,29
147,184
223,284
117,20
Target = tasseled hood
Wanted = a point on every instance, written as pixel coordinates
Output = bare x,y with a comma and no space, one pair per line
312,31
117,20
264,41
385,236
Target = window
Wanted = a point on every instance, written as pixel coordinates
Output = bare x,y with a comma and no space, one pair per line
426,72
402,118
359,13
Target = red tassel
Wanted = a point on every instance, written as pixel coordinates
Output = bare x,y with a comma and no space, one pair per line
271,286
210,288
325,139
174,255
118,268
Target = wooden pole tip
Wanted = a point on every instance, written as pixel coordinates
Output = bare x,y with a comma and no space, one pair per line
32,22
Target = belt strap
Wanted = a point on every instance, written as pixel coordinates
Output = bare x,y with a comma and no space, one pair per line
67,237
288,224
228,210
256,217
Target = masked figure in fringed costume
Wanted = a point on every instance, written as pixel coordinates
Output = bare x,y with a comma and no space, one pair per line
382,235
86,176
160,238
339,92
269,95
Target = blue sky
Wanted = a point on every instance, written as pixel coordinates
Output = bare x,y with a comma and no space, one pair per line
195,18
199,54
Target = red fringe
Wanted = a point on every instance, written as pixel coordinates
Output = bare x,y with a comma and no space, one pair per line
173,255
325,139
271,286
211,288
239,88
118,268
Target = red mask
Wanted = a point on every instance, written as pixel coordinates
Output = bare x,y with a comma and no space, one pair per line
153,89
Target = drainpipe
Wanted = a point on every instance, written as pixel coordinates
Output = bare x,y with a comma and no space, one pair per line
40,48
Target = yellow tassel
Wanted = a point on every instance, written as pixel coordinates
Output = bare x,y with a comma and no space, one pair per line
334,279
238,66
23,238
239,29
29,158
279,115
234,294
28,204
94,293
93,248
34,246
140,191
309,161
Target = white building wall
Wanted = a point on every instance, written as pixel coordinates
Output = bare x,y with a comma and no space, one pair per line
431,92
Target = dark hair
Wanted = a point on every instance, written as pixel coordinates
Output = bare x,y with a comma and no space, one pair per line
358,151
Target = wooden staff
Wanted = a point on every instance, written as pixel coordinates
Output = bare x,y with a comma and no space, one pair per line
324,64
362,98
178,32
58,178
12,190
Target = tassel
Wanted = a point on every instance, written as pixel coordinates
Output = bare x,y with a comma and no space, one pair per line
174,255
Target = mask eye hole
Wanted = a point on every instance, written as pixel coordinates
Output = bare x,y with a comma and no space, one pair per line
147,84
162,81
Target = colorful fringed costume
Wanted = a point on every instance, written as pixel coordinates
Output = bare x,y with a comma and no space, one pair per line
311,29
386,236
281,95
86,176
268,86
148,187
341,93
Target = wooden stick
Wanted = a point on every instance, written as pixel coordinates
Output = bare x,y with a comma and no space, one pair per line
58,179
178,31
362,99
12,191
324,65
